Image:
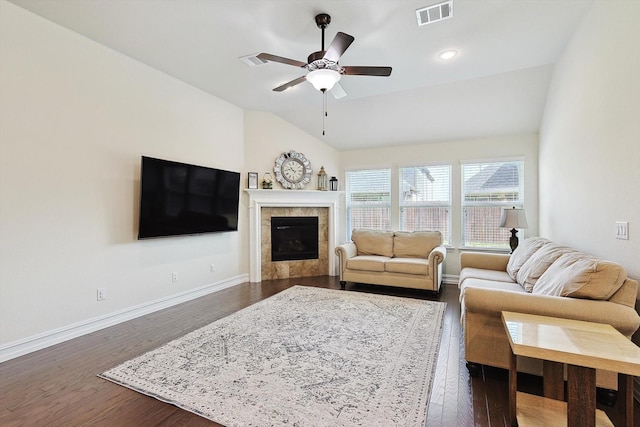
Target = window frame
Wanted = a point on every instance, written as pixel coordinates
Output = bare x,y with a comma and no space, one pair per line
349,205
464,204
447,205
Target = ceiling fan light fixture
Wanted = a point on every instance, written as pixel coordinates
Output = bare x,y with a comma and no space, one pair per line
323,79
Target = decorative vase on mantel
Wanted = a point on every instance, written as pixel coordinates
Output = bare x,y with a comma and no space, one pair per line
267,181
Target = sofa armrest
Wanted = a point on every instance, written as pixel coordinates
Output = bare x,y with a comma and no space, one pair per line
344,252
484,260
493,302
347,250
436,258
437,255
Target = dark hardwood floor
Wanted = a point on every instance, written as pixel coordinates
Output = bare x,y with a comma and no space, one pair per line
58,386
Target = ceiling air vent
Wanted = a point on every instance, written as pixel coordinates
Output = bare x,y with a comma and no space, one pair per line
435,13
252,60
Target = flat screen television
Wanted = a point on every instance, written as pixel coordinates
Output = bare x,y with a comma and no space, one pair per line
179,198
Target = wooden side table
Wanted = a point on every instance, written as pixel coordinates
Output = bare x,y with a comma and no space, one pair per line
583,347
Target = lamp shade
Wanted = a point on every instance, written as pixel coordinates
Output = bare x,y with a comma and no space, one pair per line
323,79
513,218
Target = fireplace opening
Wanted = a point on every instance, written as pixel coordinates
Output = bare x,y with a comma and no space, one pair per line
294,238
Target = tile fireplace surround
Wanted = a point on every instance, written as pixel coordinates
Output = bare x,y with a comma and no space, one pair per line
293,199
294,268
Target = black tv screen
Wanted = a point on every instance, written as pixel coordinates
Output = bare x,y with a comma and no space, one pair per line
179,198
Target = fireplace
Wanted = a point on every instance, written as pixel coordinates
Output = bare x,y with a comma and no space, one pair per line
266,204
294,238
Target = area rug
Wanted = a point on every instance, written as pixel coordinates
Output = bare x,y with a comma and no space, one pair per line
304,357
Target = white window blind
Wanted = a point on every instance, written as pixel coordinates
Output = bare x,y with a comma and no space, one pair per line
368,194
425,199
487,188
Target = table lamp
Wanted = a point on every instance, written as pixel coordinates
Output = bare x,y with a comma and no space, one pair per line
513,218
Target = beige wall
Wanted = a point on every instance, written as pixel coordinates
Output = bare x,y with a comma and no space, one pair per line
453,153
75,117
267,136
590,138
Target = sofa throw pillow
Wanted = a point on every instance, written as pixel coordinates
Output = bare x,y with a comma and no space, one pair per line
373,242
522,253
416,244
538,263
579,275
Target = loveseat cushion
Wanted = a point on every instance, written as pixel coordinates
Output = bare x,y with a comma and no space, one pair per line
416,244
539,262
522,253
408,266
581,276
373,242
367,263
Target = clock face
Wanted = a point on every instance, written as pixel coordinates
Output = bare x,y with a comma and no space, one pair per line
293,170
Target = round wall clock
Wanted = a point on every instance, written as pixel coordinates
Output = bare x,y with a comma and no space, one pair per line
293,170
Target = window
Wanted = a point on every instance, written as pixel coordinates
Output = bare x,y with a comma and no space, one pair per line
368,195
487,188
425,199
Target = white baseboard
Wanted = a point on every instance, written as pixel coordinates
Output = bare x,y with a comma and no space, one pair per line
37,342
450,279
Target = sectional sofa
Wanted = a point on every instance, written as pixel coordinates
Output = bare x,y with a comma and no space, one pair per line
544,278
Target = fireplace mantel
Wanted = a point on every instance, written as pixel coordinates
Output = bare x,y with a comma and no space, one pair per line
289,198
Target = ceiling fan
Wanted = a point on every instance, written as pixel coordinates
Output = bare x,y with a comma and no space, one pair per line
324,70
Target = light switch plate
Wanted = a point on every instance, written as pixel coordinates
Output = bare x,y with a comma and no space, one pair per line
622,230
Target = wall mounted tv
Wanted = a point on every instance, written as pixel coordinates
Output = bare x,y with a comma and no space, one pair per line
179,198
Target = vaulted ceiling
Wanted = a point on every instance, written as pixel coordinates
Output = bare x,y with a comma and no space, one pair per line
496,85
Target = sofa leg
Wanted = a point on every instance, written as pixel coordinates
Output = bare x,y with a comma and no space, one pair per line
606,396
343,284
474,369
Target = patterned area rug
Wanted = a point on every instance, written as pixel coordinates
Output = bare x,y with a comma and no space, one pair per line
304,357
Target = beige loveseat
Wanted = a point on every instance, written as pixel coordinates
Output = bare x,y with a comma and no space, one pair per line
401,258
544,278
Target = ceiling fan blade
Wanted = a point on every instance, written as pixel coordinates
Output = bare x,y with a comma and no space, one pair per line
367,71
274,58
338,46
338,91
290,84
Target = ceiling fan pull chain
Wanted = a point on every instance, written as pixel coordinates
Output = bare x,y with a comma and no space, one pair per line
324,108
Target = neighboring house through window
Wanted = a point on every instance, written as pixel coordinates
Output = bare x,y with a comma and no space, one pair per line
487,188
425,199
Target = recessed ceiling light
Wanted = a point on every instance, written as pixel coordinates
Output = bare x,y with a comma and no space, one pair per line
447,54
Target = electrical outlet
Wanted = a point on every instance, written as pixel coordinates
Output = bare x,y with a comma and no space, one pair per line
174,277
212,268
102,294
622,230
